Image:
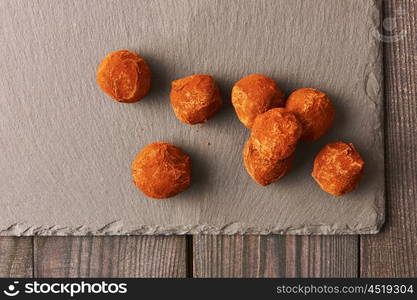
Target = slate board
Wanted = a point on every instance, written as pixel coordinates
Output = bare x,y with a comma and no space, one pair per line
66,148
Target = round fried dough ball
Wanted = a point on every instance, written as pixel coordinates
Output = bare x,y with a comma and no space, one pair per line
124,76
195,98
275,133
338,168
315,111
253,95
264,170
161,170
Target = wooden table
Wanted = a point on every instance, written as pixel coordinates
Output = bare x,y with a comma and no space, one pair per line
392,253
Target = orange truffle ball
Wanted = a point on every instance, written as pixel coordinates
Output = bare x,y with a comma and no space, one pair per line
195,99
161,170
264,169
253,95
276,132
125,76
338,168
315,111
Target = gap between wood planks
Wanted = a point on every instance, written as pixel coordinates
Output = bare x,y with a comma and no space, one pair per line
189,256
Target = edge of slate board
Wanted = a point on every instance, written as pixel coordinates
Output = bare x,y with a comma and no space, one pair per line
116,228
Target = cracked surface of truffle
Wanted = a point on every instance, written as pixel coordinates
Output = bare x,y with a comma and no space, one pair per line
315,111
338,168
195,98
124,76
161,170
253,95
275,133
263,169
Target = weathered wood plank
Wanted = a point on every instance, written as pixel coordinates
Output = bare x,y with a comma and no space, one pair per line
393,253
275,256
16,257
116,256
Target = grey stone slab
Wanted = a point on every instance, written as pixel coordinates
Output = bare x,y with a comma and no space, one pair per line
66,147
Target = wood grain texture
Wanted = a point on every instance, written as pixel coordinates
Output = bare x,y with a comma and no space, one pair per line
275,256
134,256
16,257
393,253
